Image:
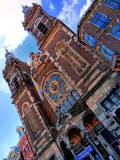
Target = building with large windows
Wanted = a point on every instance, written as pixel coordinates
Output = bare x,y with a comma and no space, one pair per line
68,99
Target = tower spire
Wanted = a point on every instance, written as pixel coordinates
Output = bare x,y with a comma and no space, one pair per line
25,10
8,55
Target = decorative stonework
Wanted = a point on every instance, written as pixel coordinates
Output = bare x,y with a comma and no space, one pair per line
74,60
54,86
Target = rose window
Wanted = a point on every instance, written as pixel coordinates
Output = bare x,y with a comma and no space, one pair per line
54,86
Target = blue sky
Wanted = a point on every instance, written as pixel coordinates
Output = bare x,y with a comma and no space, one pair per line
19,42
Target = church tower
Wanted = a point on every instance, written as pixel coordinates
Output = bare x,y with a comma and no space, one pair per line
33,115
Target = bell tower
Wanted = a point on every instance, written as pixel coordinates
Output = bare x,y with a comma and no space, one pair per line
38,22
28,102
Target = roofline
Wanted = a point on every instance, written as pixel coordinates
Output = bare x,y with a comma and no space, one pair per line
83,17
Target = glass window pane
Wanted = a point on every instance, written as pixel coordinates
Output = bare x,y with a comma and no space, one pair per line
100,20
71,100
118,91
106,52
62,108
108,105
116,30
75,95
67,105
90,40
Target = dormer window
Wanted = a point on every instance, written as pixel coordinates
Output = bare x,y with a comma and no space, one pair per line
42,28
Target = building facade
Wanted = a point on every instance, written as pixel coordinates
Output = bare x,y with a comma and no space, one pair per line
24,144
68,99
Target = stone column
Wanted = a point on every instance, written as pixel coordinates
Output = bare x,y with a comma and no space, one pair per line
70,148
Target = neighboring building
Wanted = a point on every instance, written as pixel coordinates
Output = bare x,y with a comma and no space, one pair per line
24,145
75,113
15,153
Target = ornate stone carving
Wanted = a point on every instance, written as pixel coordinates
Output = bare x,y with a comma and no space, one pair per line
77,62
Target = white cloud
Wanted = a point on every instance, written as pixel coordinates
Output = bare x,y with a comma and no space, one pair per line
51,6
85,7
67,10
69,14
12,32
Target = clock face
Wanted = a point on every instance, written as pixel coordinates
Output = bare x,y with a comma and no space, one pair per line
54,86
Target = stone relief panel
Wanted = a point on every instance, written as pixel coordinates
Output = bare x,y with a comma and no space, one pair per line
73,58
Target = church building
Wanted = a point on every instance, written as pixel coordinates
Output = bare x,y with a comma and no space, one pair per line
68,99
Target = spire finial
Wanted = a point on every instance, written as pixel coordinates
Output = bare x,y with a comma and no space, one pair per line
25,9
8,55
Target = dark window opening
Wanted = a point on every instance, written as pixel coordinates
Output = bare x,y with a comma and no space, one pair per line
42,27
25,152
52,158
28,147
16,82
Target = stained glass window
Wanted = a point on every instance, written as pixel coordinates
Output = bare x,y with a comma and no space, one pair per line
55,86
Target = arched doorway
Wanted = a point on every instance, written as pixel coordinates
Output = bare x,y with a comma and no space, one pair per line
78,142
67,154
94,126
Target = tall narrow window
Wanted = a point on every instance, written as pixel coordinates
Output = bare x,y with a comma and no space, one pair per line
115,31
42,28
100,20
113,3
75,95
57,111
71,100
25,152
16,82
92,41
28,147
67,105
62,108
106,52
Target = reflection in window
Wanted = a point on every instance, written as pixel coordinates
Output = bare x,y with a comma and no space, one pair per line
100,20
71,100
112,100
92,41
106,52
113,3
75,95
62,108
67,105
115,31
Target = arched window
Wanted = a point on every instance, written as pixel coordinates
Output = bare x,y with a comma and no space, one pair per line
71,100
75,95
115,31
62,108
58,112
67,105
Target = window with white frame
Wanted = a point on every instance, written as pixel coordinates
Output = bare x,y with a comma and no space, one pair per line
113,99
115,31
100,20
106,52
113,3
89,39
